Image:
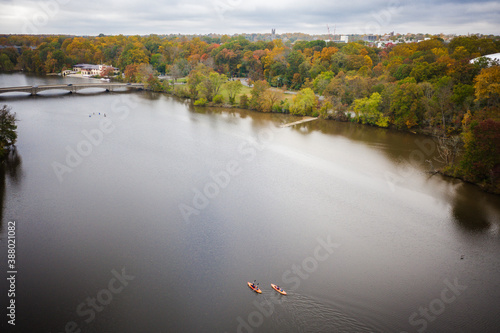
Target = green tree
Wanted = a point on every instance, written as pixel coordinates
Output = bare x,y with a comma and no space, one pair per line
257,90
294,59
201,102
325,110
268,99
153,83
180,68
210,85
482,151
27,60
133,53
406,106
443,90
335,93
5,63
233,88
463,96
158,62
243,101
368,111
11,54
403,72
304,103
420,71
218,99
8,127
321,81
195,77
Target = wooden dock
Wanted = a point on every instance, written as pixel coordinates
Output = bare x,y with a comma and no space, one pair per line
303,120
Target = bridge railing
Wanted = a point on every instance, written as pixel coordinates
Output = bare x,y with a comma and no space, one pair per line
72,87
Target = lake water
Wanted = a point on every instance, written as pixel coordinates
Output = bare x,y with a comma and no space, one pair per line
154,217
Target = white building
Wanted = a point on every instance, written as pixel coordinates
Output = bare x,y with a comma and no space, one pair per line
92,70
491,57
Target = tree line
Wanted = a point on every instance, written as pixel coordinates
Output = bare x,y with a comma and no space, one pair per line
430,87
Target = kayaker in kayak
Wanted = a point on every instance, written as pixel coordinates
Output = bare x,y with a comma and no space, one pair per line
278,289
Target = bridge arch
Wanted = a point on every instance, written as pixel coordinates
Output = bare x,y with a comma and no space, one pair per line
71,88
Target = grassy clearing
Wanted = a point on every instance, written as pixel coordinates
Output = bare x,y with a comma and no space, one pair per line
244,91
290,97
180,80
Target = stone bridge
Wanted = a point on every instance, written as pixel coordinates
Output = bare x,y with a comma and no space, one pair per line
33,90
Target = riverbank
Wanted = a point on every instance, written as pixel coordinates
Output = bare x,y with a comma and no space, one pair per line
174,90
493,187
484,186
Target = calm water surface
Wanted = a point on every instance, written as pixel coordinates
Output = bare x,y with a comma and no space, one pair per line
153,218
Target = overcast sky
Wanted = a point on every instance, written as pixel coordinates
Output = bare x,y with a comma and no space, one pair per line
129,17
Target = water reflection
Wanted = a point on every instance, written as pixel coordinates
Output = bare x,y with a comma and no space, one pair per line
395,144
120,209
11,168
259,119
152,96
470,208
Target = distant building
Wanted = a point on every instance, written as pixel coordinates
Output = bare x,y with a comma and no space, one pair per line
384,44
356,37
370,38
91,70
388,36
19,49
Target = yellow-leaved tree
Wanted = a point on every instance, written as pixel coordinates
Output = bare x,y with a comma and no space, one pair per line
487,86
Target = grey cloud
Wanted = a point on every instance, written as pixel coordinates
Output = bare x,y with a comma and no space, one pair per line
236,16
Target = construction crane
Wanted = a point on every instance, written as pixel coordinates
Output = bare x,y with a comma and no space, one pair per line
329,33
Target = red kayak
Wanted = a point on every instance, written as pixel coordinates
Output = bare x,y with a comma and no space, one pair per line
278,289
254,288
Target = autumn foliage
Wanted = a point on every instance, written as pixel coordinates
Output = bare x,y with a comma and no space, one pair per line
429,86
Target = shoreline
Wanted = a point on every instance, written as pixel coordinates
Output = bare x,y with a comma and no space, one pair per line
491,189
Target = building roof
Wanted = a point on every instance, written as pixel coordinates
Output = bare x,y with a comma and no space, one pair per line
493,57
91,67
87,66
